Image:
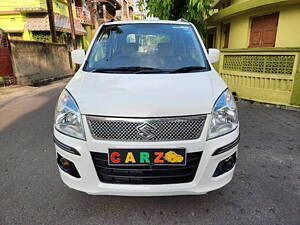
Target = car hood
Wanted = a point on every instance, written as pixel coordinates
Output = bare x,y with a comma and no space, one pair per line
146,95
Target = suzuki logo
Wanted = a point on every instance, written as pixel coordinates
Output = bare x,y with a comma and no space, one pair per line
146,131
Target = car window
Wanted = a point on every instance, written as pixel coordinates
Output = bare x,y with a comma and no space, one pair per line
163,47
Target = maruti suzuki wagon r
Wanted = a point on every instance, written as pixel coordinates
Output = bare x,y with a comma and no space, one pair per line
146,114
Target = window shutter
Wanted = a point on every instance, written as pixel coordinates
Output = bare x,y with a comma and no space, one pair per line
226,35
270,29
263,31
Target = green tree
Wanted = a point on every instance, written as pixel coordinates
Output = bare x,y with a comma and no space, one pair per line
194,11
141,7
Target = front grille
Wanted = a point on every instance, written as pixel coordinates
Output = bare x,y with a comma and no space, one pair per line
157,129
146,174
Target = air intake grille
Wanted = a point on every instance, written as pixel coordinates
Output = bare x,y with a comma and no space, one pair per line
157,129
146,174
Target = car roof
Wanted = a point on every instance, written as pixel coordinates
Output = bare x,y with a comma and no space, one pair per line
147,21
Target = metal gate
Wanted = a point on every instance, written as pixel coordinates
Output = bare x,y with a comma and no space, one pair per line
6,71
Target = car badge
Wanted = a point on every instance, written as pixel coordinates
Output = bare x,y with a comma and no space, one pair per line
146,131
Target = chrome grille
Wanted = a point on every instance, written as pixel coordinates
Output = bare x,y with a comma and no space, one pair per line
140,129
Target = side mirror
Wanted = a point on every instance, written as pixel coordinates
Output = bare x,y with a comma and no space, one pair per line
78,56
213,55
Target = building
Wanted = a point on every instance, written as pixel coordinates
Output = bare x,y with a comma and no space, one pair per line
126,10
139,16
28,20
260,48
102,11
105,10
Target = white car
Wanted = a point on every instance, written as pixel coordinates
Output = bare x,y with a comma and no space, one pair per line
146,114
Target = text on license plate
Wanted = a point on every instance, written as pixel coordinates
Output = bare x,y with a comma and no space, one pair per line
147,156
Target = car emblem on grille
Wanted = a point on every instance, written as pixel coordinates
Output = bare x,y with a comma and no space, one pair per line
146,131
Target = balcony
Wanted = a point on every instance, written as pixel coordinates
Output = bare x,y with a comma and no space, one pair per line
246,6
83,15
270,75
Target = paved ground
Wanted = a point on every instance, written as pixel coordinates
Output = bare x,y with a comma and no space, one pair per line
265,189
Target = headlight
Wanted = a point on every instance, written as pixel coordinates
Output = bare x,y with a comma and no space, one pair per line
67,116
224,117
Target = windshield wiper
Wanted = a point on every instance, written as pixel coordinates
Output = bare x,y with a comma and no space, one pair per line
135,69
112,69
188,69
151,70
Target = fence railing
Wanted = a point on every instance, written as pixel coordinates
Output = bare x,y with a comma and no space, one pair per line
270,75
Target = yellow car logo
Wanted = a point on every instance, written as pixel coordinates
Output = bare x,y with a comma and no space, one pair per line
173,157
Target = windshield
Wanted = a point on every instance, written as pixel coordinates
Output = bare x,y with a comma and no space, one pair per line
146,48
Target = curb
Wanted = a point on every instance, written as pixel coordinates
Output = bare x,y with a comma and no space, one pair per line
269,105
42,82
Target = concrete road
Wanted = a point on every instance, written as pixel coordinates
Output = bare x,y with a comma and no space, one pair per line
265,188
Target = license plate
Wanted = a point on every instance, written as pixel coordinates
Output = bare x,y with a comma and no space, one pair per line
134,157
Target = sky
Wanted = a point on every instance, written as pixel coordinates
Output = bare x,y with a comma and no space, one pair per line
134,2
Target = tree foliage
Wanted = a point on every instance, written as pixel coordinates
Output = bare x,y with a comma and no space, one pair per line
194,11
140,5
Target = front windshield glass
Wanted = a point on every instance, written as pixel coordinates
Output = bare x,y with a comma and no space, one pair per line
146,48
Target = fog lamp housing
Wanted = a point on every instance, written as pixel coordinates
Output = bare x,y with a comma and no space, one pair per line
225,165
67,166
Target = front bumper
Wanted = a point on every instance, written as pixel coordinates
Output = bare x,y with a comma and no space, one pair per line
203,182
